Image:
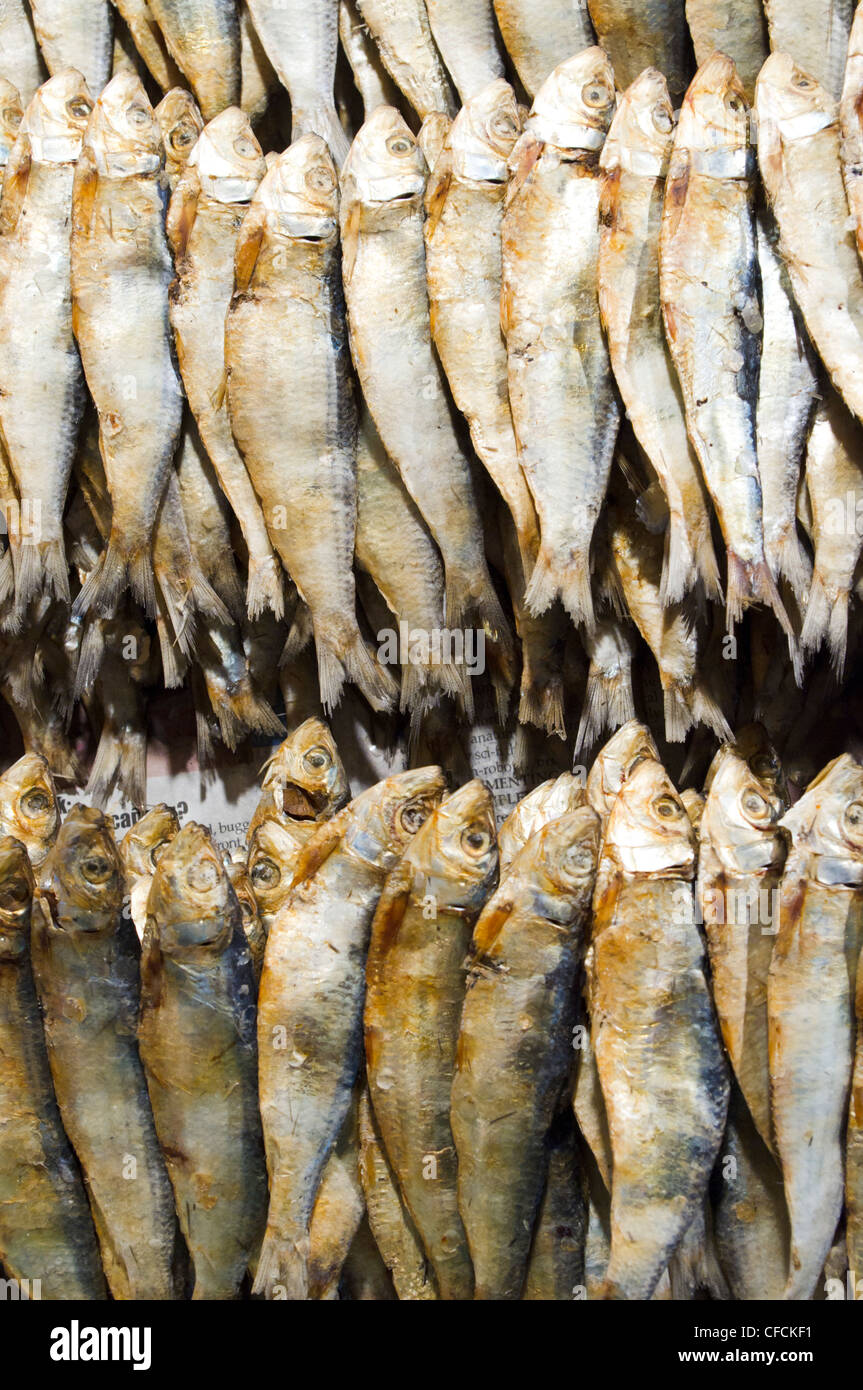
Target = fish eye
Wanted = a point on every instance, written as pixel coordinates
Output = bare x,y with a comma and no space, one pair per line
316,758
203,875
755,805
16,891
476,840
79,107
763,765
266,872
662,118
321,179
183,134
803,82
244,147
34,803
96,869
735,104
597,95
12,116
399,145
412,817
668,807
138,115
854,815
504,124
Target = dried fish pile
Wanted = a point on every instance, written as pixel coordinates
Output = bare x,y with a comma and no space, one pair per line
548,357
609,1050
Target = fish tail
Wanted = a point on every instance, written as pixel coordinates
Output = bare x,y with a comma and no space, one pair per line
684,708
114,573
826,620
521,750
229,588
542,706
172,669
331,676
188,599
423,685
685,568
788,560
322,119
42,568
367,673
299,636
576,592
751,582
90,656
283,1267
243,712
264,587
542,588
121,761
608,703
7,577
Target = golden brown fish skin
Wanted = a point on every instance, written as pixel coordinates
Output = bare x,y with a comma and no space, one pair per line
203,38
564,403
415,990
539,34
658,1050
854,1146
389,1219
401,30
180,122
750,1218
197,1038
464,213
551,799
76,34
140,851
288,290
306,774
371,79
301,41
42,389
634,162
121,272
515,1043
466,38
149,42
708,225
28,806
339,1208
741,856
310,1005
22,61
208,521
816,33
620,755
384,260
46,1233
204,220
608,702
555,1267
253,927
86,951
810,1003
735,27
637,36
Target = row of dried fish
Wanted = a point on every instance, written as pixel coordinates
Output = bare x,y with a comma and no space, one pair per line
608,1050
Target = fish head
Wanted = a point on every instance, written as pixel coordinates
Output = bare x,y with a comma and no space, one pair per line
383,820
56,118
484,132
642,132
273,851
627,747
752,744
144,844
299,193
563,854
228,158
789,105
28,805
385,163
827,822
123,134
648,831
180,122
83,876
455,852
306,775
191,902
545,803
574,106
741,816
16,899
11,116
713,129
432,136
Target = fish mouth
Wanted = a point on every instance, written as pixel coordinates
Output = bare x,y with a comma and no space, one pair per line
299,802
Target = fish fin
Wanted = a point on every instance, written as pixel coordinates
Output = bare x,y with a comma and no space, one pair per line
608,703
283,1267
242,713
350,240
91,654
83,197
331,676
115,572
685,708
172,668
542,587
42,568
16,178
751,582
491,923
121,761
787,559
317,849
299,636
573,588
391,909
543,707
248,248
7,577
436,191
423,685
682,570
265,588
366,672
826,619
523,156
182,212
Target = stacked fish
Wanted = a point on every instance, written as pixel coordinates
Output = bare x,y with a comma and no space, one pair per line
612,1050
582,369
